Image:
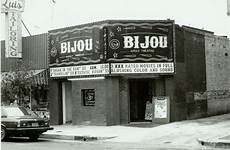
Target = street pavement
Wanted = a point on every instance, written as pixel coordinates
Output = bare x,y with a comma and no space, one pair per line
54,144
212,132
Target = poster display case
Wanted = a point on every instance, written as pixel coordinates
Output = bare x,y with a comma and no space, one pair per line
161,109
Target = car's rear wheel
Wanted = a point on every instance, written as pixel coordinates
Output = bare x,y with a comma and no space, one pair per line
3,133
34,137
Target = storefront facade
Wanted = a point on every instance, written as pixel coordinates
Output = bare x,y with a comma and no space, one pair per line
112,69
117,72
122,71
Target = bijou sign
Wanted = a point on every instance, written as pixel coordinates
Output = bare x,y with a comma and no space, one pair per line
78,45
132,48
141,48
76,52
149,42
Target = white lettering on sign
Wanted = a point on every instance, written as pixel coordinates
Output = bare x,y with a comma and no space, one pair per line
97,69
149,42
77,45
123,68
15,5
14,47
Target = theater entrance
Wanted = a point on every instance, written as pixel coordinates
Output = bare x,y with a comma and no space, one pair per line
141,92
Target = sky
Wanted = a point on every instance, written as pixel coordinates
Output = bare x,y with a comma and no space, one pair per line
40,16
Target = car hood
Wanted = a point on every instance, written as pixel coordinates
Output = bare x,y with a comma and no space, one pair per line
22,118
28,118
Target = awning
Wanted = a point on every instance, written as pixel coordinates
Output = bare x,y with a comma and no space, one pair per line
40,76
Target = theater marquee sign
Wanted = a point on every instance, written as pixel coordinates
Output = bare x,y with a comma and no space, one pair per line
114,48
141,47
76,51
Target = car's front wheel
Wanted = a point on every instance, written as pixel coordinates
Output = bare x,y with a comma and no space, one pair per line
3,133
34,137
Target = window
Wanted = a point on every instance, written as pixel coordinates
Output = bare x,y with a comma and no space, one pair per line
88,97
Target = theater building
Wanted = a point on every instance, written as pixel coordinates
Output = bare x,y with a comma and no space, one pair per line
117,72
121,71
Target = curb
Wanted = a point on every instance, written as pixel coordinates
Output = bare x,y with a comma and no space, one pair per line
73,137
215,143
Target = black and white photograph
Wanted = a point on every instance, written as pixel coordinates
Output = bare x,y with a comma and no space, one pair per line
115,74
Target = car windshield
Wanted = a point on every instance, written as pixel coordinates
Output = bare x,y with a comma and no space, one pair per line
17,112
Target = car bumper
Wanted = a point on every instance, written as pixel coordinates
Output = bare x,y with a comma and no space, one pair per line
30,129
26,131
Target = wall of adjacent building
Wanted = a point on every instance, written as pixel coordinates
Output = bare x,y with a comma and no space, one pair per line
190,76
217,50
178,80
194,46
34,53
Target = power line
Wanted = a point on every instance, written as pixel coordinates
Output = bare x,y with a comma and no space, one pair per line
25,27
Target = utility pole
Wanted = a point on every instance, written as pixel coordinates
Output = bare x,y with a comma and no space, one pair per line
228,7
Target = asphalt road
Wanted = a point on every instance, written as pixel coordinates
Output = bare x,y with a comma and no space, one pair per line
47,144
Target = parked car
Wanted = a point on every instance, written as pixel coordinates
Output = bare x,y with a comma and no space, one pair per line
18,121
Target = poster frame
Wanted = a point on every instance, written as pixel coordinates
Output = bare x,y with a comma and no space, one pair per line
161,120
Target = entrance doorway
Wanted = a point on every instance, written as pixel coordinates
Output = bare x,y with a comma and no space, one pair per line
141,92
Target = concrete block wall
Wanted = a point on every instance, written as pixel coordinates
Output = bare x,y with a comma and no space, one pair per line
177,88
112,101
194,46
89,115
55,102
124,100
217,50
194,73
106,109
176,84
190,73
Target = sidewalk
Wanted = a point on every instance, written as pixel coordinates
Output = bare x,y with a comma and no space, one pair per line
212,131
221,142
